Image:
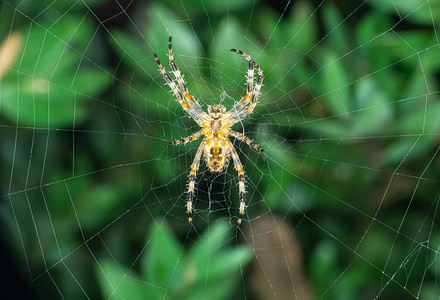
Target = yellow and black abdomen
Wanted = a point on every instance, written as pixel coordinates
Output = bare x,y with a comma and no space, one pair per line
216,154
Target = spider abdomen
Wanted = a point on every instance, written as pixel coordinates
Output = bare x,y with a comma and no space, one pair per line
216,154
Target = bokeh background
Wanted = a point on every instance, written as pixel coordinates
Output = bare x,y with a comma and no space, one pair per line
343,203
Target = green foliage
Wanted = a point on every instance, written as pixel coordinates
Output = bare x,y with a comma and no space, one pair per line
167,272
411,9
348,102
52,82
334,83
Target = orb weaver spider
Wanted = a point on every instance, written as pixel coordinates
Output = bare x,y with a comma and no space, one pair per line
216,148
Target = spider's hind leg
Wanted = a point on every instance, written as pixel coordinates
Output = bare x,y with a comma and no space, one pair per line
245,139
241,188
192,181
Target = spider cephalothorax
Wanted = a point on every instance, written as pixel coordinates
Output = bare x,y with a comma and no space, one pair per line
216,113
216,147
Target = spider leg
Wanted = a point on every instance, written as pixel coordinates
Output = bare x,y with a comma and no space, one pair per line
239,167
176,71
247,110
245,139
184,90
190,138
172,85
245,100
192,180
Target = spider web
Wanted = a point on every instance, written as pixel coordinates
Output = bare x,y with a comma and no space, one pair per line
342,204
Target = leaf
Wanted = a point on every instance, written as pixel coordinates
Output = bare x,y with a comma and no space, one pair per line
203,252
97,204
434,243
160,265
89,81
50,82
226,64
421,118
221,7
137,57
418,11
213,8
228,68
301,27
39,104
120,284
335,86
212,239
216,290
268,21
228,261
329,128
52,52
374,110
323,262
372,25
162,24
409,148
337,33
6,14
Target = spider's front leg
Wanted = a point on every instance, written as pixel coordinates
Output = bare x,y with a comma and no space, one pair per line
192,180
196,111
172,85
252,91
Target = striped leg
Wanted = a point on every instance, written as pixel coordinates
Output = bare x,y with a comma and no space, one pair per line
172,85
192,180
241,194
191,101
255,92
176,71
193,137
245,139
245,100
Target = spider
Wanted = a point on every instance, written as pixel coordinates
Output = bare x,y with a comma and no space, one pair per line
216,148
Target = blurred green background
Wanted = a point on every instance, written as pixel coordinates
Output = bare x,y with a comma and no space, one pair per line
342,204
